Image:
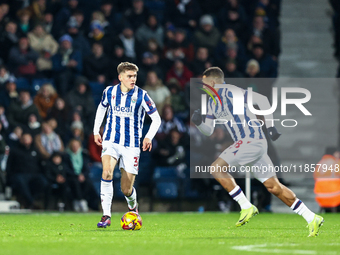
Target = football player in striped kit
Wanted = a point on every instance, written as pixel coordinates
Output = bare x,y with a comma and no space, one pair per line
249,148
125,105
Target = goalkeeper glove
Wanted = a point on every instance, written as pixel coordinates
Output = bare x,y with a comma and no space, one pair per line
196,118
274,135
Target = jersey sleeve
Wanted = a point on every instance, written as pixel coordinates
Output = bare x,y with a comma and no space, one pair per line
104,101
148,104
210,113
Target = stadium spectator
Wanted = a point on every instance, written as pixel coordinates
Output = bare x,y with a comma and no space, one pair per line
4,14
38,9
34,126
117,58
4,76
230,69
14,137
170,151
207,35
80,99
98,34
150,62
132,47
77,132
180,72
201,61
268,66
46,46
64,14
19,111
67,63
25,22
253,69
229,40
56,171
9,93
137,15
45,99
23,59
79,180
97,65
3,120
271,39
9,37
48,24
48,141
26,182
61,113
179,47
182,13
80,42
111,14
152,29
158,92
169,122
232,18
177,98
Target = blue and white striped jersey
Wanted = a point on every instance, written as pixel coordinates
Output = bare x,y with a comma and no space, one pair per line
125,114
239,126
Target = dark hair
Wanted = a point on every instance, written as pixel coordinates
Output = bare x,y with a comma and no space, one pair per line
214,72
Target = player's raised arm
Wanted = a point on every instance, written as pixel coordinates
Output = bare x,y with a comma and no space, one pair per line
100,114
263,103
151,110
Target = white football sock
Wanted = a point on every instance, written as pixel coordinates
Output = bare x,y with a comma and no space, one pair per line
106,195
132,199
300,208
238,195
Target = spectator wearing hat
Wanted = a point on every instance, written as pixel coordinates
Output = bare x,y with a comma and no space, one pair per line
23,59
24,21
183,13
80,100
80,42
268,66
253,69
77,132
9,93
46,46
97,65
137,14
152,29
9,37
98,34
207,35
67,63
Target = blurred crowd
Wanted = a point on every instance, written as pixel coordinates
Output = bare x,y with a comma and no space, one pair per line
46,131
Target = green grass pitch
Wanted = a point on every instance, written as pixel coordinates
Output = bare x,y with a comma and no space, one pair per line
165,233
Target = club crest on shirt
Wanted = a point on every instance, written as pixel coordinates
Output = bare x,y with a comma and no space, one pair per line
134,100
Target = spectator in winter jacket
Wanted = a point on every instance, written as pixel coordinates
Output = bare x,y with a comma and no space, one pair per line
45,99
180,72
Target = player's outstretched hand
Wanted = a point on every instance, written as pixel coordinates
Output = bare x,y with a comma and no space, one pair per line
98,140
147,144
274,135
196,118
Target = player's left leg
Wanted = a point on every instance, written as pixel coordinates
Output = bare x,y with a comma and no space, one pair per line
130,193
289,198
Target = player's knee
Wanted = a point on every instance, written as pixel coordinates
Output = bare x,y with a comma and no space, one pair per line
275,189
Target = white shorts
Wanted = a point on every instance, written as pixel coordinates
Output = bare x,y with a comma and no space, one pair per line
250,152
128,156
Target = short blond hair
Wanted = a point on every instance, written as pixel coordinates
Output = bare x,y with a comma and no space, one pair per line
126,66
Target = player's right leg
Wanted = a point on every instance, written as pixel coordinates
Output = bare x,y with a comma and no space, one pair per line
228,183
106,189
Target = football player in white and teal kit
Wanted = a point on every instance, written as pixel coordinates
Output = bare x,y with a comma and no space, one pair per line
249,149
126,105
